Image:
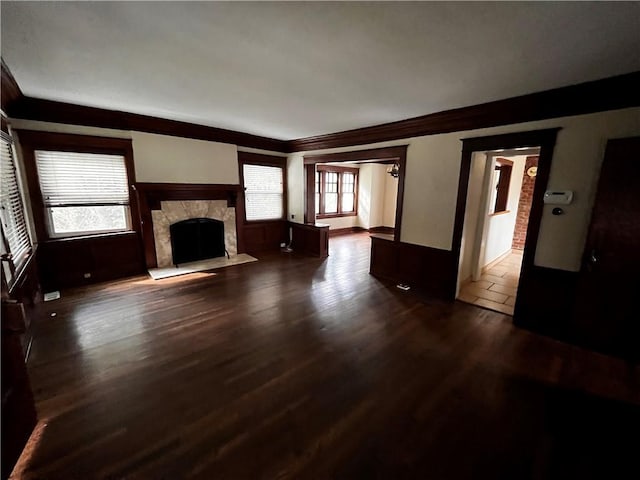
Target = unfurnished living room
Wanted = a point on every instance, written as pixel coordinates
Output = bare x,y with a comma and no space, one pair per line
316,240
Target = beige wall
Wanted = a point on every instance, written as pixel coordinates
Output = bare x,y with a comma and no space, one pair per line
433,165
161,158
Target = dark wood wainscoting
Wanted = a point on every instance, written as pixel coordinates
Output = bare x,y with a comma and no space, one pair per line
63,263
18,406
264,236
545,301
310,239
425,269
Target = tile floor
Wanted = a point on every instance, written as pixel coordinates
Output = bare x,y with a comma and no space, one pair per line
497,287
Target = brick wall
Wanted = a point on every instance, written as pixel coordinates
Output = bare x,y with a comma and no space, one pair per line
524,205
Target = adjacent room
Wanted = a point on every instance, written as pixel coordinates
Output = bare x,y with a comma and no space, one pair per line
312,240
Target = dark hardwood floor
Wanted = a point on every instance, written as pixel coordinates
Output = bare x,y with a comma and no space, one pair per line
295,367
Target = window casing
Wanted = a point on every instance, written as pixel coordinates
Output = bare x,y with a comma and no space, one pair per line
336,191
86,187
16,243
83,193
264,190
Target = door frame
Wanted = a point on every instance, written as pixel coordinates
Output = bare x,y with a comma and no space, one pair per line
545,139
396,154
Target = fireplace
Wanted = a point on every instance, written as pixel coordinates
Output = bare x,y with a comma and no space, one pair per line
197,239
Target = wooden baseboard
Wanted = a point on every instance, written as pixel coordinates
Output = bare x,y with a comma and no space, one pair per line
389,230
345,231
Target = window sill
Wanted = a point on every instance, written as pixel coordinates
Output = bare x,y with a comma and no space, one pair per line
88,237
497,214
337,215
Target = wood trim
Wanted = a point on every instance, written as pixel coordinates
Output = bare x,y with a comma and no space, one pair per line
345,231
58,112
338,169
372,155
385,230
608,94
545,139
424,269
10,92
397,154
150,196
30,141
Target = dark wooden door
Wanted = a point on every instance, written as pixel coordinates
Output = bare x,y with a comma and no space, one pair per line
607,312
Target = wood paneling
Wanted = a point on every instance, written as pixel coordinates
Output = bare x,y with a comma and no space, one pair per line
426,270
64,263
545,301
601,95
302,368
264,236
59,112
310,239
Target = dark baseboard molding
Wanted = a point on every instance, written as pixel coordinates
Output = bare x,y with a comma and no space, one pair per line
590,97
385,230
345,231
426,270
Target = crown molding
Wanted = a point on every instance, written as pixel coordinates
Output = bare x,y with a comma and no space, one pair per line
608,94
601,95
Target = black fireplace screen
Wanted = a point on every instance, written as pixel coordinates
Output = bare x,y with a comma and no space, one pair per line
197,239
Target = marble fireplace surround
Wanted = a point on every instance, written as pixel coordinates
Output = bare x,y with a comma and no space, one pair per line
162,204
177,210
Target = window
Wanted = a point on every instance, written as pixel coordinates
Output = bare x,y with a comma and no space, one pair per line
264,191
16,244
336,191
83,193
501,182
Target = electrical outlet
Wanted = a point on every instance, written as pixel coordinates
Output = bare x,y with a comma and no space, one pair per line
293,216
87,275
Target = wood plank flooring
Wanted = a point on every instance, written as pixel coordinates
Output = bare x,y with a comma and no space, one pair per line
294,367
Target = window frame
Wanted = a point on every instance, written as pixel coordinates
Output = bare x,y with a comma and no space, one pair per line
16,264
323,170
505,168
247,158
31,141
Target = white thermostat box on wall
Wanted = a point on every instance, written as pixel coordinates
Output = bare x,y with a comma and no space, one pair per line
558,197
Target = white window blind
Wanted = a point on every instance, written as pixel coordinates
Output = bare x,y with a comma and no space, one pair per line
14,226
79,179
83,192
263,192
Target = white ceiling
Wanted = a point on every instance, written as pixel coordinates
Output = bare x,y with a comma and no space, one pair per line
290,70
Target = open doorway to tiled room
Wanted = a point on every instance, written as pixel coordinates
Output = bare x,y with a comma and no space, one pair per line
501,185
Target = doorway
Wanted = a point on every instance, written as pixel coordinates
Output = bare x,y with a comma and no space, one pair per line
500,193
473,151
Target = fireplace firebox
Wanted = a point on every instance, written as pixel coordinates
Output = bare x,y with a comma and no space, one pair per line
197,239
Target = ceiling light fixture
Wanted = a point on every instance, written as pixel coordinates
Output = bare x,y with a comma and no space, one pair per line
394,170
